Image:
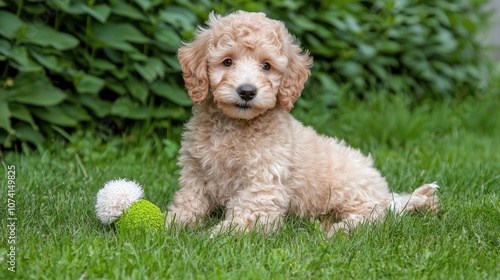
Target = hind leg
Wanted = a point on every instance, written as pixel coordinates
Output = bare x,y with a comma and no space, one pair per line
423,198
354,218
361,205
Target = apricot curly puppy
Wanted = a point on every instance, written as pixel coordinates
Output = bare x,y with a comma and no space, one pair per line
244,151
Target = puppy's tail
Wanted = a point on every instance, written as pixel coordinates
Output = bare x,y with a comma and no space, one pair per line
423,198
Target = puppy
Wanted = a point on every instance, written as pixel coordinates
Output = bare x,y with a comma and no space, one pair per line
242,150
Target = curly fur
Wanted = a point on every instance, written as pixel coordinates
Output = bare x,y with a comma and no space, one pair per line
251,157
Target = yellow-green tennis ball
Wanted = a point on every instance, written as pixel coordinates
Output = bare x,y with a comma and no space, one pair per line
141,215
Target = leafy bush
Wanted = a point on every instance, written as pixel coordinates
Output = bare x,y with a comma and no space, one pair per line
422,48
69,62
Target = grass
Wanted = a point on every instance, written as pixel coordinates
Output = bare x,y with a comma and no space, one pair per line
455,143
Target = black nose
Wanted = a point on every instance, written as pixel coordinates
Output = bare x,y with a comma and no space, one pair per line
247,92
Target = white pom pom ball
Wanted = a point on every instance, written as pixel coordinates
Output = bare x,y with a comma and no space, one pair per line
115,197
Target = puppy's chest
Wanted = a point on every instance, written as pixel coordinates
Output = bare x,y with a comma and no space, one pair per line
241,151
241,155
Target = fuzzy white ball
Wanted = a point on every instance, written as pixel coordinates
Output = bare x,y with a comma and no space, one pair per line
115,197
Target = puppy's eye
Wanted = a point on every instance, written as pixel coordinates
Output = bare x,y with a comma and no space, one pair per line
266,66
228,62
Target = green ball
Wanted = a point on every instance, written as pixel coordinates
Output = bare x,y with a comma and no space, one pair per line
141,215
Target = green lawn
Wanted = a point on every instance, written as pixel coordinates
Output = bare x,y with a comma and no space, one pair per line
455,143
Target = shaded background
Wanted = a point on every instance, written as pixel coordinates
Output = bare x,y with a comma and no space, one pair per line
111,65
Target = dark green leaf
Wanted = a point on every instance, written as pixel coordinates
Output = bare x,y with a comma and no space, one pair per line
167,35
178,17
46,36
172,93
120,32
70,7
22,61
54,115
5,116
27,133
116,86
99,107
137,89
9,24
385,46
75,111
352,24
86,83
123,9
359,82
7,93
304,23
442,17
397,83
137,56
173,62
100,12
21,112
121,74
113,55
38,92
48,61
171,112
349,68
447,41
337,23
469,25
4,47
379,71
367,51
100,64
120,45
327,82
317,45
124,107
148,4
152,69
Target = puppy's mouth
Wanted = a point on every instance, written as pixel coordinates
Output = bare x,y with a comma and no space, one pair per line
243,106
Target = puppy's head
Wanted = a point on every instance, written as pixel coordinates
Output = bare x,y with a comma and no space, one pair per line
248,62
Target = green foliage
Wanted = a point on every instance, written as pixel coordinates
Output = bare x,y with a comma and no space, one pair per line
70,62
421,48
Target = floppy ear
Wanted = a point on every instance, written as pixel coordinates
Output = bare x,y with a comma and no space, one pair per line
193,60
296,74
